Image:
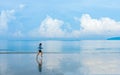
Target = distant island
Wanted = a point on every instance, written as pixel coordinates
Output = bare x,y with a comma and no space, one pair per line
114,38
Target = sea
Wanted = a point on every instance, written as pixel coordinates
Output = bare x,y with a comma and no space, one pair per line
60,46
84,57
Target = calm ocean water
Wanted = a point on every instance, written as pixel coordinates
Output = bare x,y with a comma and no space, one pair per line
61,46
71,58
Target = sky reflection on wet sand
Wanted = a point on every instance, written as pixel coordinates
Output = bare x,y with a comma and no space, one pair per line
60,64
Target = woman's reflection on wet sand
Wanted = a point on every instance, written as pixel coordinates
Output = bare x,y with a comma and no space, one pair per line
39,62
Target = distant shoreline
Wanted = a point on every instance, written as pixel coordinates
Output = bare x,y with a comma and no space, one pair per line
114,38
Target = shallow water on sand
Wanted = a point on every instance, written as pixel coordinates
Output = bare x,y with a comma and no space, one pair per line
60,58
60,64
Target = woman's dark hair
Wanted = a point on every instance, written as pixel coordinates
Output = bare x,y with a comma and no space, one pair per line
40,51
40,44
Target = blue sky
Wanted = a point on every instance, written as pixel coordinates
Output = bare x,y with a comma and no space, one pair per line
75,19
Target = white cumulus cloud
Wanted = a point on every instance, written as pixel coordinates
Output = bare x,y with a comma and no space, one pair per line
89,28
50,27
21,6
104,26
5,17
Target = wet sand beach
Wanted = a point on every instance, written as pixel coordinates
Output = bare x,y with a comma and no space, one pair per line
83,63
